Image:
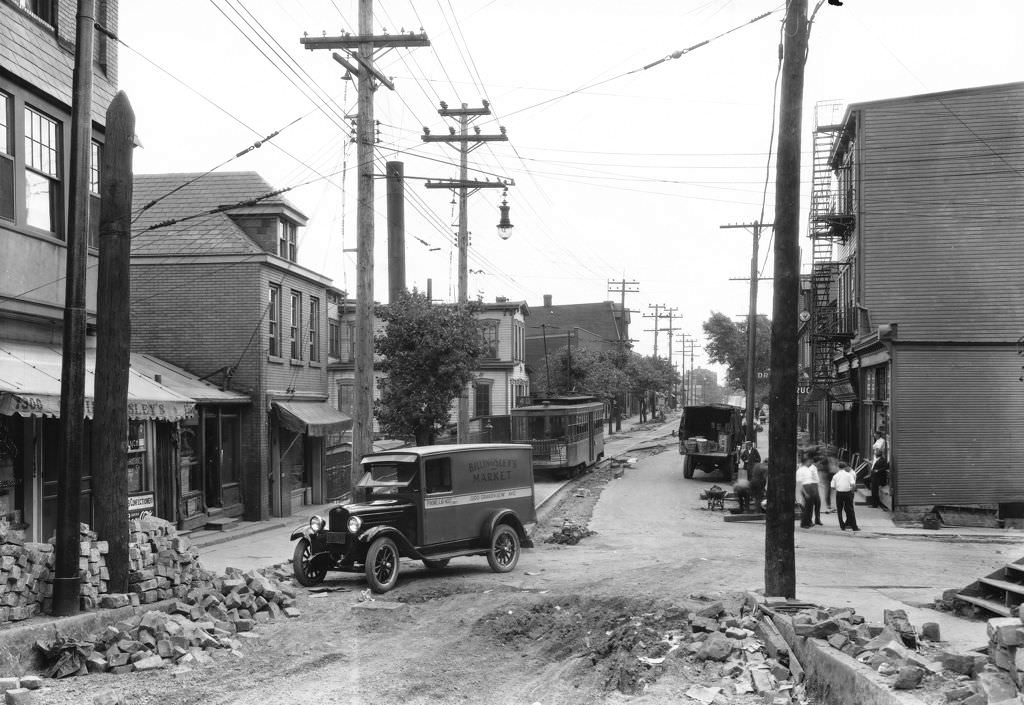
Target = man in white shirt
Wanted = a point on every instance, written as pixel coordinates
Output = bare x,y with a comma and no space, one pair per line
844,482
807,481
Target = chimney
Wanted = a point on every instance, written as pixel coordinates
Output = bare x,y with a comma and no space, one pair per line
547,300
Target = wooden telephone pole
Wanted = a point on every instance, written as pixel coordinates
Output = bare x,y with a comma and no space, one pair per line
360,49
66,585
779,550
622,287
751,325
466,143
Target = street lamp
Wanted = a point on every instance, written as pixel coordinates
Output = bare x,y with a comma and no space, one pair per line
504,224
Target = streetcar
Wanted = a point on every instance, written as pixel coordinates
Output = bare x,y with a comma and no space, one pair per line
566,432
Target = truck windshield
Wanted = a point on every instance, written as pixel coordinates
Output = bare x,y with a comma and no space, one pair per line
388,475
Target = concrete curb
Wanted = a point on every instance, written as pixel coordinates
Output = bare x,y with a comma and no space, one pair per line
835,677
17,643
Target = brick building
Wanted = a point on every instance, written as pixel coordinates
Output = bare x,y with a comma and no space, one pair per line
223,297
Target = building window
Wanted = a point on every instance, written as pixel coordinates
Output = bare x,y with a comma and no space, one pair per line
295,332
314,329
6,159
43,195
95,154
46,10
489,339
286,240
333,338
346,397
483,397
347,346
274,317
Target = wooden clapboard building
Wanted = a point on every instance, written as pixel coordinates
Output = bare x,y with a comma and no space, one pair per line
916,292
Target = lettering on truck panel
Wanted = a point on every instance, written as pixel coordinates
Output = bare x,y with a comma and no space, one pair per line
477,497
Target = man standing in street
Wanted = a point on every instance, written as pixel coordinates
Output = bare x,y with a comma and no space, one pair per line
844,482
807,481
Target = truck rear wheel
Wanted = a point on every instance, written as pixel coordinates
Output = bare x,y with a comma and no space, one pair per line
504,553
687,467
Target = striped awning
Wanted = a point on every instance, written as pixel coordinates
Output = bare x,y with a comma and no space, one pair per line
30,376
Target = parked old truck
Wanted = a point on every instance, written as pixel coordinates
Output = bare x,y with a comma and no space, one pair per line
710,436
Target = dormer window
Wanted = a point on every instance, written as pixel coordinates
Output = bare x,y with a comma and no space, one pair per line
286,247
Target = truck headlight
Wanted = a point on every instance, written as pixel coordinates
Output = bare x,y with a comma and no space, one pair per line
353,524
315,523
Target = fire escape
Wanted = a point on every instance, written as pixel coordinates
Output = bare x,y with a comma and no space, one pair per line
830,222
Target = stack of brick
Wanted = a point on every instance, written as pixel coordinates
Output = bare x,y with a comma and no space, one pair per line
200,624
162,566
1001,679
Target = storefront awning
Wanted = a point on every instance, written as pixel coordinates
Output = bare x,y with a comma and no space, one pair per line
314,418
30,386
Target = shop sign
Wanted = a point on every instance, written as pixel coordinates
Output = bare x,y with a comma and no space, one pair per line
141,504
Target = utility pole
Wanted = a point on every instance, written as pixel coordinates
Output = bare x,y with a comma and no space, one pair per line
394,174
66,585
113,341
465,186
360,49
751,325
779,549
623,287
656,315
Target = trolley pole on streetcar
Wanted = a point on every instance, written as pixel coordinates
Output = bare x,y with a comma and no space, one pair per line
360,49
465,186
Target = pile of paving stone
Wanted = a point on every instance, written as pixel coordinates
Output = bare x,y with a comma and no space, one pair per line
202,623
911,660
162,564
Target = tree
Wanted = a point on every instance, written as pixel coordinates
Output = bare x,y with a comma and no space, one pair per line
582,370
428,354
651,375
727,345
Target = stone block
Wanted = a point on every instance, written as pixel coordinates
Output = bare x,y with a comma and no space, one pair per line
149,663
107,697
761,679
957,662
291,612
996,686
32,682
712,610
838,641
908,678
716,647
1006,631
18,696
9,683
930,631
96,664
819,630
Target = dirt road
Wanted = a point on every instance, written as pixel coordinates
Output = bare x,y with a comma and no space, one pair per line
553,631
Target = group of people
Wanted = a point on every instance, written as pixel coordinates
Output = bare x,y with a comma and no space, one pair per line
841,479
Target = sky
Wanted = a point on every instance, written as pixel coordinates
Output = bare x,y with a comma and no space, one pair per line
630,179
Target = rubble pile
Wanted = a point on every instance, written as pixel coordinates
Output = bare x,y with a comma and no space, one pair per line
569,534
912,660
200,624
627,645
163,566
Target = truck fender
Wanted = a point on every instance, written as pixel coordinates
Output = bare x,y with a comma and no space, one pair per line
405,547
300,531
505,516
